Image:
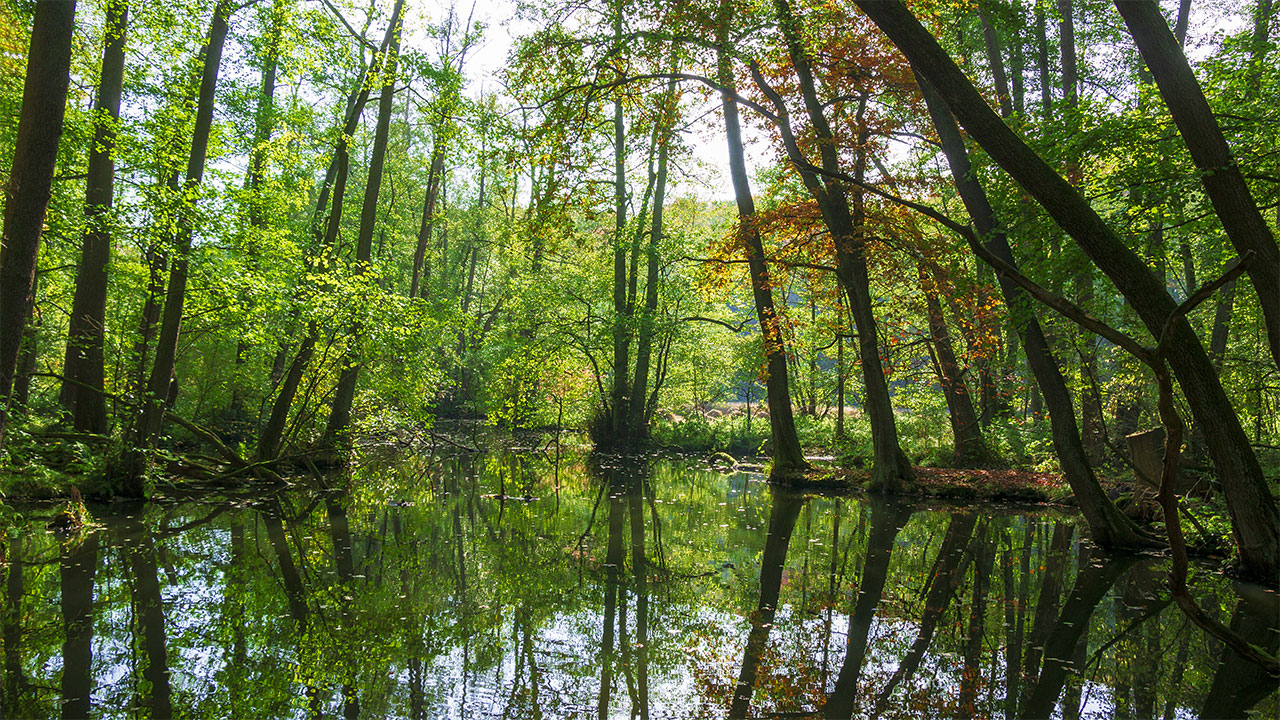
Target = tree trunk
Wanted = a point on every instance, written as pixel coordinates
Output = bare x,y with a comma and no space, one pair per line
326,231
996,63
621,320
337,429
846,221
1109,526
644,347
1255,517
152,414
428,216
970,449
788,456
1219,173
44,100
82,385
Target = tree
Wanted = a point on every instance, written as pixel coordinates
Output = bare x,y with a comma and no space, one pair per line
344,395
1256,519
83,371
151,417
788,456
44,98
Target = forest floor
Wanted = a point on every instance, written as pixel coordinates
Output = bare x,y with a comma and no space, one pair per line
965,483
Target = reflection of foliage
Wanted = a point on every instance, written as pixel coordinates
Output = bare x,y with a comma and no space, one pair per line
491,572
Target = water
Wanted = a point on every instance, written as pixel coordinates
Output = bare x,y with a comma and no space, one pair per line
505,586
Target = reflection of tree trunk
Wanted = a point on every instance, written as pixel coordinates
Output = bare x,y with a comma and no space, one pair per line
886,521
640,569
78,567
613,561
1013,614
1047,604
983,557
293,588
149,610
782,520
340,530
945,578
1093,581
1239,684
15,680
234,617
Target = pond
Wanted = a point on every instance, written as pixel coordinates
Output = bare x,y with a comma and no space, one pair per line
518,586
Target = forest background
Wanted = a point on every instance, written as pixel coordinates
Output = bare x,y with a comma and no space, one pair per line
246,236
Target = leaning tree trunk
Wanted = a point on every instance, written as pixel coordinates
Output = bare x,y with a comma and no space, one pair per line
344,396
44,100
788,456
1109,526
325,230
1255,517
1219,173
153,401
82,384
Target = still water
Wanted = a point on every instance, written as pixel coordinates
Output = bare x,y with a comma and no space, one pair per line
515,586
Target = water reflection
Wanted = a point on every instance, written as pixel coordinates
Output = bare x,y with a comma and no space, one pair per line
512,586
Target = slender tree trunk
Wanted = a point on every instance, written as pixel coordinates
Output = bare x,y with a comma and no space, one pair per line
326,231
1222,324
1184,19
996,63
428,215
1042,63
337,429
1219,173
44,100
1255,517
621,320
845,219
27,357
644,347
153,407
1109,526
970,448
788,457
82,385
